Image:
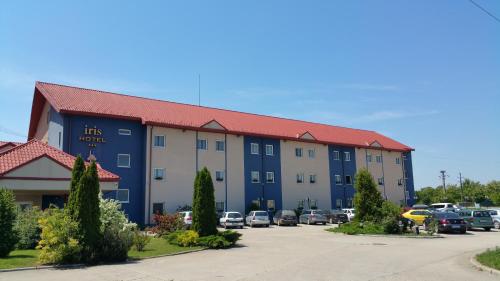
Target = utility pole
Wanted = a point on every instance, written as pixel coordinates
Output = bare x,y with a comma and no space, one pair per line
443,177
461,185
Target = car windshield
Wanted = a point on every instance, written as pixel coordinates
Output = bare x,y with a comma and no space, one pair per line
337,212
481,214
288,213
494,213
438,206
261,214
447,215
234,215
322,212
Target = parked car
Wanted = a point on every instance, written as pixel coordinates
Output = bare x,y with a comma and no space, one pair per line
285,217
442,207
335,216
257,218
418,216
350,213
231,219
495,216
446,222
477,219
187,216
419,207
312,217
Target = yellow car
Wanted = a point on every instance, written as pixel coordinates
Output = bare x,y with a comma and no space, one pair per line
418,216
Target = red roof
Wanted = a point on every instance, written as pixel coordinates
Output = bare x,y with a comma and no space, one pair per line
8,143
73,100
35,149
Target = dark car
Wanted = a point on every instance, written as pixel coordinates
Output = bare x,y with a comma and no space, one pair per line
446,222
285,217
335,216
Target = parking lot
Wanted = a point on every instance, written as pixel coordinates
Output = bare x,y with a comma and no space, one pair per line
306,252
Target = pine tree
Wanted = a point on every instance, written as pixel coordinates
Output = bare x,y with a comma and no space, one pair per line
367,200
205,215
8,238
76,174
87,212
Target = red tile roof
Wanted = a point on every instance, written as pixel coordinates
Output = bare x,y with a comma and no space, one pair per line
9,143
35,149
73,100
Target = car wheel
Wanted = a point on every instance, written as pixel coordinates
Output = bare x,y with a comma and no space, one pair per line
487,229
497,224
463,231
251,224
324,223
267,225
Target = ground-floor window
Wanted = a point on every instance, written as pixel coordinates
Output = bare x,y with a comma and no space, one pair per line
158,208
122,195
270,204
256,202
338,203
349,203
219,206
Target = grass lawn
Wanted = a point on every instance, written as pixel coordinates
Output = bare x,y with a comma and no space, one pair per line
158,247
20,258
490,258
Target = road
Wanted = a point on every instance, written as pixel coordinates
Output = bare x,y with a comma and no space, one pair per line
303,253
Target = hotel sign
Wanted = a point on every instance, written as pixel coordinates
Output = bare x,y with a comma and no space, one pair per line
92,136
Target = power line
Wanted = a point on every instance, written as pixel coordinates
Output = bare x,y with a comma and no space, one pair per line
484,10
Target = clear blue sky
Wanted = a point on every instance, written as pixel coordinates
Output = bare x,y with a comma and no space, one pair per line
426,73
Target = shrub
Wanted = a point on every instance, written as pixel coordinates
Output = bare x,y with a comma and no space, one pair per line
167,223
368,200
204,213
8,237
172,237
141,240
187,238
214,242
230,236
355,227
59,239
117,232
76,174
391,226
27,228
186,207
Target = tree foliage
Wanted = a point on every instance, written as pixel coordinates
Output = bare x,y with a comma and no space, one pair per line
27,228
471,192
368,200
8,237
76,174
204,213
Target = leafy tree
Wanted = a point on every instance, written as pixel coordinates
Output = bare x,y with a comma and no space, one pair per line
27,228
8,237
368,200
76,174
204,213
87,212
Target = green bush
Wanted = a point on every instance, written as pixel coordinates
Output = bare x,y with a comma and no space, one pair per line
59,242
8,237
214,242
141,240
27,228
355,227
230,236
172,236
187,238
367,200
391,226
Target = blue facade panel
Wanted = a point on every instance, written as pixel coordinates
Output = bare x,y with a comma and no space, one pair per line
408,172
105,144
341,166
262,163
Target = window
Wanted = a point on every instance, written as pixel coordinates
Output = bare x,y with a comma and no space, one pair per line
159,173
407,194
378,158
255,177
369,158
48,117
336,155
270,177
300,178
348,179
312,178
122,195
60,138
338,179
347,156
338,203
219,175
269,149
398,161
124,160
159,141
219,206
349,203
380,181
124,132
201,144
298,152
25,205
158,208
312,153
254,148
270,204
220,145
400,181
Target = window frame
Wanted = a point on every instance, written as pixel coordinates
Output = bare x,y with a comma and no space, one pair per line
300,178
118,161
313,153
380,181
155,176
252,173
220,179
199,141
350,179
336,155
369,158
155,145
128,195
378,158
254,145
217,142
311,180
338,179
272,149
267,177
398,161
124,132
299,152
347,156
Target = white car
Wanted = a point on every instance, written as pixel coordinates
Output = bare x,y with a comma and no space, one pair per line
495,216
350,213
257,218
443,207
231,219
188,217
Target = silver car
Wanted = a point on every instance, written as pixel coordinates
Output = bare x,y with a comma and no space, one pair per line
257,218
313,217
231,219
495,216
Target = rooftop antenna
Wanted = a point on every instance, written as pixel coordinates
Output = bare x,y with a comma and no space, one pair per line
199,89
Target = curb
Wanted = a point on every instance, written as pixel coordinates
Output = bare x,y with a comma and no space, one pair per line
400,236
164,255
481,267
